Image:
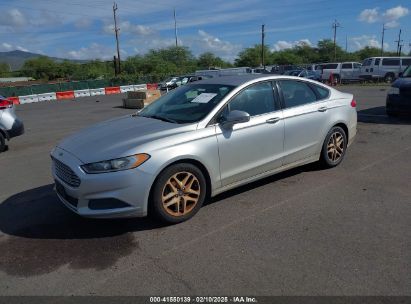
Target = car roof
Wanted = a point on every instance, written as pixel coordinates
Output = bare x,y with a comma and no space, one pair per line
232,80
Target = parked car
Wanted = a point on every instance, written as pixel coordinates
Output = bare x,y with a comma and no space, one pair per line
224,72
315,75
399,96
200,140
341,71
181,80
166,84
10,125
383,68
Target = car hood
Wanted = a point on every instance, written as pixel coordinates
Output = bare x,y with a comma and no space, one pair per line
118,137
402,83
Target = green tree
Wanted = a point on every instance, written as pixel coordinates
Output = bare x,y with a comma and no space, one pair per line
208,60
41,68
251,57
4,69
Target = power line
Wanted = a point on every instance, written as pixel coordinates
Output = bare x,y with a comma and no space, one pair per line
335,25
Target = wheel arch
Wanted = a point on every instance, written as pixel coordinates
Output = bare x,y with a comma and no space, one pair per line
185,160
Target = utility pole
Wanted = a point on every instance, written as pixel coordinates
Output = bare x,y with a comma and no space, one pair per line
116,30
335,25
346,43
382,39
262,46
175,27
398,43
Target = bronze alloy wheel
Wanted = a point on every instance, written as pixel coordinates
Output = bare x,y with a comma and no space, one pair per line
335,146
181,194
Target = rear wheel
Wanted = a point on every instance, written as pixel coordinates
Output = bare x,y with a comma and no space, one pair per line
334,147
389,77
178,193
2,143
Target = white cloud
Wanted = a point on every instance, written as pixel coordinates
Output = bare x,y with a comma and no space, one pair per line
206,42
13,18
370,15
83,23
361,42
283,45
94,51
128,27
7,47
390,17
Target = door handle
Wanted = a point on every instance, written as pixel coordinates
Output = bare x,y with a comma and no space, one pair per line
273,120
322,109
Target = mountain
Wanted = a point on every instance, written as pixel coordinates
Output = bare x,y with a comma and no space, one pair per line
17,58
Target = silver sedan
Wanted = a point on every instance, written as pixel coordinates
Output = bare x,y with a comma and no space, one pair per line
200,140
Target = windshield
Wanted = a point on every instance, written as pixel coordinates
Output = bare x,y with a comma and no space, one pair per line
187,104
407,72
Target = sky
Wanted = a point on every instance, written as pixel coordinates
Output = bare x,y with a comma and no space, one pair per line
83,29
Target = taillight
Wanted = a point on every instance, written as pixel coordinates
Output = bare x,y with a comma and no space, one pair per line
353,103
5,104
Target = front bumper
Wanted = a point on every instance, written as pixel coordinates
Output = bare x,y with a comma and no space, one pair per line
129,187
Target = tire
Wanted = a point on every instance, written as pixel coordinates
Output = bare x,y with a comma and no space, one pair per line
178,193
337,78
2,143
333,153
389,77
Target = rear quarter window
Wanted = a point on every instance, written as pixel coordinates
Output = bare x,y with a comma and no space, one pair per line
321,92
406,62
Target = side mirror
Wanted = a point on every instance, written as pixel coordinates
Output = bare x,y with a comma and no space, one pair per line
400,74
235,117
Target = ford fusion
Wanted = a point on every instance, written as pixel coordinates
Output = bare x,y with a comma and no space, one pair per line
198,141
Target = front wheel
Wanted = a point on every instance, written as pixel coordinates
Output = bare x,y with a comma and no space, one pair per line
178,193
334,147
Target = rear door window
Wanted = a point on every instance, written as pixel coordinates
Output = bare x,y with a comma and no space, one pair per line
391,61
296,93
347,66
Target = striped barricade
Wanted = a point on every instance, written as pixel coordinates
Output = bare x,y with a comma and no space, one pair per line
15,100
112,90
127,88
152,86
65,95
140,87
28,99
47,96
81,93
96,92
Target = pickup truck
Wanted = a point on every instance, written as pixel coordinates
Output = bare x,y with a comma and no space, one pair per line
341,71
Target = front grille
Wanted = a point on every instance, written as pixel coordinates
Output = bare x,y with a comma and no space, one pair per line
66,174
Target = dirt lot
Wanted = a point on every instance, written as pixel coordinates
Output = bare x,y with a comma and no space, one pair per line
344,231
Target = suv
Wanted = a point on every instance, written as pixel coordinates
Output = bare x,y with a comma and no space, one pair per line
387,68
341,71
175,82
10,125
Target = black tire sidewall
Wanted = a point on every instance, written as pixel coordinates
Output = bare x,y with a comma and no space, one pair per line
324,152
156,202
2,143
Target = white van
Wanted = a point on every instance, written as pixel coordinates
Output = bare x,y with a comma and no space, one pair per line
387,68
341,71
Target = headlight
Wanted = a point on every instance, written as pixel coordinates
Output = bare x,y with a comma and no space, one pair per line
394,91
118,164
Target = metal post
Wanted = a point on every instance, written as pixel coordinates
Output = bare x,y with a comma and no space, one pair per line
116,30
262,46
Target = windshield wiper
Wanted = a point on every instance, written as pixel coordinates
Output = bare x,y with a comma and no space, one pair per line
161,118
